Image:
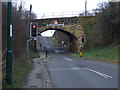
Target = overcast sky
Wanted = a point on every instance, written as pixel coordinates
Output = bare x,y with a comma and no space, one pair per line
53,6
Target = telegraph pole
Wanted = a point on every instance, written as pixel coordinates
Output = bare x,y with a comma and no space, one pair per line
9,45
85,7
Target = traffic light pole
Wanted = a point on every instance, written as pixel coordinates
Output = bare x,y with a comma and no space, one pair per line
27,49
30,25
9,45
35,45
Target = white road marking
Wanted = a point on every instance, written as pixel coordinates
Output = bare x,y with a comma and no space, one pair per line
101,74
68,59
63,69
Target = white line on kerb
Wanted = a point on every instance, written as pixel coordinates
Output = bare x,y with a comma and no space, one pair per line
68,59
101,74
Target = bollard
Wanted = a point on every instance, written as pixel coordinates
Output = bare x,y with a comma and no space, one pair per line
80,54
81,51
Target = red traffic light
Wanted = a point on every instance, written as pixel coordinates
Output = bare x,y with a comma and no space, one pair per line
34,26
82,38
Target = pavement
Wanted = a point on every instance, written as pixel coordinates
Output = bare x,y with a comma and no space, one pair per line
38,77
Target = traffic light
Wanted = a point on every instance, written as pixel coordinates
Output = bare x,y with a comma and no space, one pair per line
82,39
33,29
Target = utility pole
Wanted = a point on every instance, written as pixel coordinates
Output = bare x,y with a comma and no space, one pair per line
9,45
85,7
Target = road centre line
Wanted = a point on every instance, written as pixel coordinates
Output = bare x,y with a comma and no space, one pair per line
68,59
101,74
63,69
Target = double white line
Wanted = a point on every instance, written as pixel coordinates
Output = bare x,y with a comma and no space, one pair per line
101,74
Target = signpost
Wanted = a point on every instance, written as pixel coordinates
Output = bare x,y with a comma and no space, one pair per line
9,45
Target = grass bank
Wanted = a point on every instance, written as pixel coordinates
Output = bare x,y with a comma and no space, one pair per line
108,53
20,70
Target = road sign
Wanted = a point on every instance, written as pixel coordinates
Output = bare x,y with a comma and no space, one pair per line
56,22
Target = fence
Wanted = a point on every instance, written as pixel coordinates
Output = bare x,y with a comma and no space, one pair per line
3,64
4,56
65,14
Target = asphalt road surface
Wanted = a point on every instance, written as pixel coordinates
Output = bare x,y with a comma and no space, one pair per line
71,72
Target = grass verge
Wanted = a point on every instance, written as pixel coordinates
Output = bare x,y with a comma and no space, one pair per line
20,70
108,53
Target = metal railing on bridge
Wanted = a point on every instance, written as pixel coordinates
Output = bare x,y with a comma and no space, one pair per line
65,14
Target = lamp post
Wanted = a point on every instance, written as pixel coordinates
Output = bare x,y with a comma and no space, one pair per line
9,45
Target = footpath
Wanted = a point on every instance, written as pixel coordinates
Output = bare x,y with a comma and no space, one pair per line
38,77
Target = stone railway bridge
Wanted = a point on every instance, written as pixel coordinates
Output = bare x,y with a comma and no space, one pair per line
71,26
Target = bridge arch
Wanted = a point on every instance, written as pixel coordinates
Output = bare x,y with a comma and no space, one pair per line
73,38
72,27
61,30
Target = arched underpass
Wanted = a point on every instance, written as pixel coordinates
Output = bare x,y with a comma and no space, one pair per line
70,26
73,38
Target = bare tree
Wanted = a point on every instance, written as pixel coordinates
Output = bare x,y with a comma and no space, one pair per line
106,27
20,29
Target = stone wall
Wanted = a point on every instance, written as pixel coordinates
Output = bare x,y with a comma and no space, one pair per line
72,27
